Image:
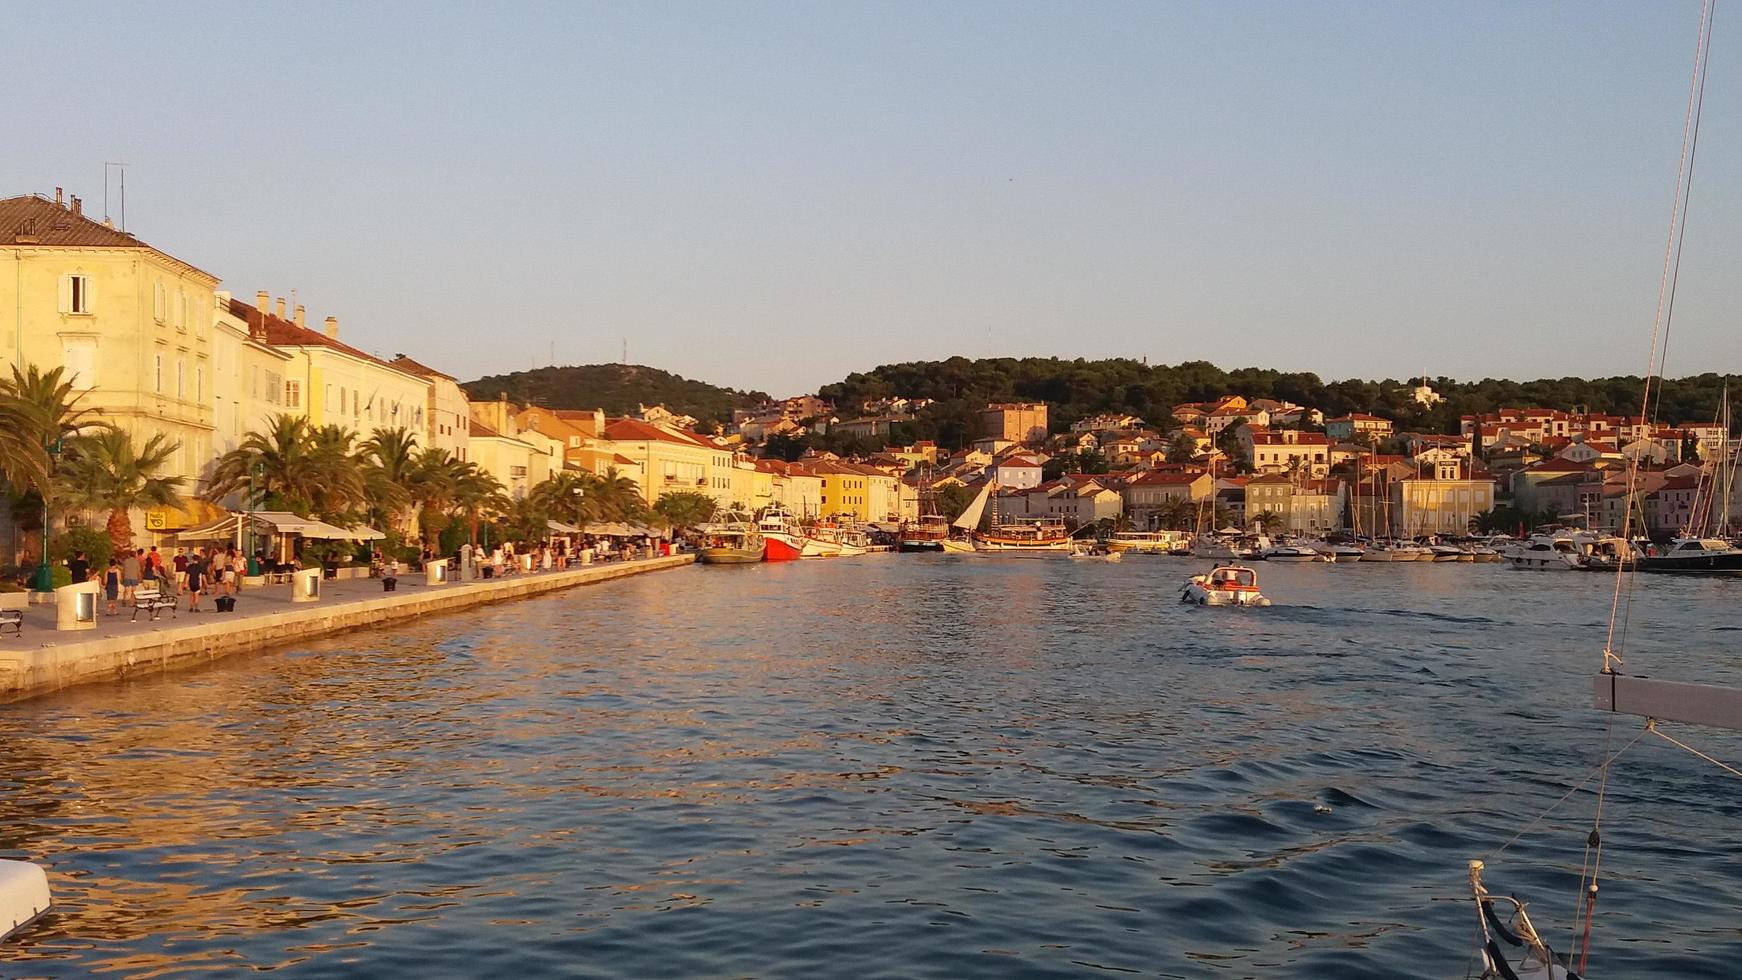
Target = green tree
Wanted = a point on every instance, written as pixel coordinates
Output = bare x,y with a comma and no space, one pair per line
685,508
391,468
103,471
952,499
1268,521
1183,449
276,465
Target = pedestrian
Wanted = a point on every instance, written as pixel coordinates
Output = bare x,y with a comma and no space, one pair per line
80,567
112,583
196,575
180,563
238,569
130,573
156,561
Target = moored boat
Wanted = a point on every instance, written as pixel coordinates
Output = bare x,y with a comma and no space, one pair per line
1694,556
732,541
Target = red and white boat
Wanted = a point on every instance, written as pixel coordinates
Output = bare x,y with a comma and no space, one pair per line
784,540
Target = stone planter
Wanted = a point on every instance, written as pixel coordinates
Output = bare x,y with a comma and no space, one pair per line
14,600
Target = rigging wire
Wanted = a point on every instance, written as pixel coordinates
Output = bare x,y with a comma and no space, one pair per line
1651,726
1665,304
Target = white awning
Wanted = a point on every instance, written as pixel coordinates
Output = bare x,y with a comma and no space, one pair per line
558,527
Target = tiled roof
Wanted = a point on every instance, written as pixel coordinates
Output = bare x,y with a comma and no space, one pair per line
635,430
34,220
407,364
280,332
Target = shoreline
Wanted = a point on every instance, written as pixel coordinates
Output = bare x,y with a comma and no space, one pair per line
72,658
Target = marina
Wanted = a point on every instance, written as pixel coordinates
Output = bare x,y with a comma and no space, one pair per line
1111,781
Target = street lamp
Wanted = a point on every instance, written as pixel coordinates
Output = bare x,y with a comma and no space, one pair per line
253,502
45,574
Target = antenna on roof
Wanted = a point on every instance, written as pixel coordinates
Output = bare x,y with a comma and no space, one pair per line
123,168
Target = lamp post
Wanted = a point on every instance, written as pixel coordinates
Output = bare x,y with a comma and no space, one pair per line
253,502
45,574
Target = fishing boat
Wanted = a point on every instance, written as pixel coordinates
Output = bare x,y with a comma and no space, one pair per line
781,538
1225,585
733,540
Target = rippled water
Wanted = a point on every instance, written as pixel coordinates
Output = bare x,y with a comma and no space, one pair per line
890,766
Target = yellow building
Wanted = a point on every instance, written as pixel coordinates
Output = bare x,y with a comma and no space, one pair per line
1439,504
131,325
1023,422
518,464
248,382
855,493
672,460
447,417
334,383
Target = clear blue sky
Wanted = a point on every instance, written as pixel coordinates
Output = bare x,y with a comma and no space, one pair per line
771,196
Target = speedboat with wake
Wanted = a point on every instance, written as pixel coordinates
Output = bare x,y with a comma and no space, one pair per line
1225,585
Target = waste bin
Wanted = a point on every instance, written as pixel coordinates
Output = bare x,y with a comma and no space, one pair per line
389,583
489,571
305,585
76,606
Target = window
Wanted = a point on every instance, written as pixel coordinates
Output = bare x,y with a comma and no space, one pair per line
293,394
157,372
199,382
75,294
157,301
81,362
341,401
274,387
328,403
181,310
181,378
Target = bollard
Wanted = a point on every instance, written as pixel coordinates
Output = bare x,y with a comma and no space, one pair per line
76,606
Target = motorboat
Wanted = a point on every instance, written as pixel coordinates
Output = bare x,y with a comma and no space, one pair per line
1448,552
1389,551
1150,542
1694,556
1293,552
1341,552
1552,553
1225,585
781,540
1086,551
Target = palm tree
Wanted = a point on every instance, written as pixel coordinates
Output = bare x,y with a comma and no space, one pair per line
343,488
276,465
563,496
391,468
432,489
42,413
617,498
103,471
24,459
1268,520
476,493
1177,514
685,508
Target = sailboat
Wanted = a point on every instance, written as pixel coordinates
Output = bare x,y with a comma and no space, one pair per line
1038,538
930,529
1510,945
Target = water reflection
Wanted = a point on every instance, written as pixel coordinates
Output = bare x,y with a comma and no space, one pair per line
880,766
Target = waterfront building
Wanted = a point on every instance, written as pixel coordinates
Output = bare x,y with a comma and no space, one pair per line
1440,502
130,324
1016,472
250,383
1016,422
337,384
448,413
1271,493
1146,495
518,464
672,459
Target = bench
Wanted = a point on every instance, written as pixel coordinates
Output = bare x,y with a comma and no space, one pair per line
13,618
154,602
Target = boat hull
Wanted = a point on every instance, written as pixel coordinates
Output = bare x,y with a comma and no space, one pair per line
926,544
1730,564
782,547
731,556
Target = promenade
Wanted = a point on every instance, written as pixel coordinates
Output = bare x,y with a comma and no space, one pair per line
43,659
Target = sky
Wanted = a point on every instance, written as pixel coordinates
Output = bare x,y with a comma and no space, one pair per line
771,196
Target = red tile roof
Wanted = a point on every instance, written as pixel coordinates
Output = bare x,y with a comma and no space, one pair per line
280,332
35,220
635,430
404,363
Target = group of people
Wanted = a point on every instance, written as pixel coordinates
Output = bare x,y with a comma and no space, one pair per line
195,571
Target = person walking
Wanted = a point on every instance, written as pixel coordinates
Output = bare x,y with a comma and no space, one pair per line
238,569
80,567
196,581
179,562
130,573
112,583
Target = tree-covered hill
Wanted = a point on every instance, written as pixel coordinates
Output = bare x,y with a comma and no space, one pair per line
1078,388
616,388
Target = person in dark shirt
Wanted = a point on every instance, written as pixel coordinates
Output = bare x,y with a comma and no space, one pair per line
80,566
196,580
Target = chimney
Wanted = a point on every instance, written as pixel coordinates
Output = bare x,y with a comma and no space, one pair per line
57,198
332,328
280,306
261,299
299,317
78,206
